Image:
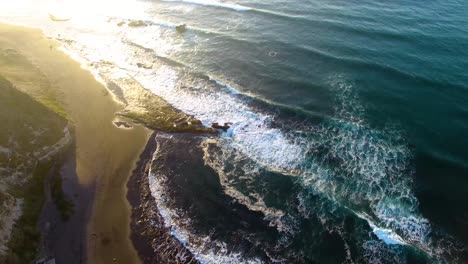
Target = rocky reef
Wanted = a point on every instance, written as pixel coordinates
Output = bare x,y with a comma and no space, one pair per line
144,107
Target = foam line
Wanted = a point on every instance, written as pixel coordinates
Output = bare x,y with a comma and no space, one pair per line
214,3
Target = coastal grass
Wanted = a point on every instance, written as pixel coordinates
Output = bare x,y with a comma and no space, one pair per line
28,78
29,123
63,204
25,237
105,154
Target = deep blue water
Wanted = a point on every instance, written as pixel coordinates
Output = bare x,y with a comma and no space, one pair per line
377,96
374,94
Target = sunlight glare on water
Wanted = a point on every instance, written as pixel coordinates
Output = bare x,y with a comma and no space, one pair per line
70,9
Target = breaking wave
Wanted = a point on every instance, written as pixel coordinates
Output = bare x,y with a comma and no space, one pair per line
214,3
359,168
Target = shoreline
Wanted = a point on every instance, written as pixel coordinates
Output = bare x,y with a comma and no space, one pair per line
96,172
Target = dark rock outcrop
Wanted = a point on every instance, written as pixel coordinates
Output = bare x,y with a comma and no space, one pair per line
181,28
224,127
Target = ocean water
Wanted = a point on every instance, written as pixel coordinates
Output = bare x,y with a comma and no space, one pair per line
349,121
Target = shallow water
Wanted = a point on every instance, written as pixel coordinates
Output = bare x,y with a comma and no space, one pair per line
348,121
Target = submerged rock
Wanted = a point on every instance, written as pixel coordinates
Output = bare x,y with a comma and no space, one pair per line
181,28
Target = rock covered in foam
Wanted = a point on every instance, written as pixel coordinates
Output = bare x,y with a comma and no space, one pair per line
224,127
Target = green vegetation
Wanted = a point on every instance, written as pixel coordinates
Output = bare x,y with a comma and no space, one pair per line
64,204
27,126
55,107
29,79
25,238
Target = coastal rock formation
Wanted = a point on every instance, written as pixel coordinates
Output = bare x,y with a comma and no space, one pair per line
144,107
224,127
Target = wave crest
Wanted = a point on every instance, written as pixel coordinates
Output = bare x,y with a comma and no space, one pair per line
214,3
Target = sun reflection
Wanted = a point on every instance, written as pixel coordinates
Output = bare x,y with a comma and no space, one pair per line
68,9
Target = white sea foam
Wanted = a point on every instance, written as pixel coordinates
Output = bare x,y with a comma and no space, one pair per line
363,152
369,166
214,3
376,251
250,131
250,197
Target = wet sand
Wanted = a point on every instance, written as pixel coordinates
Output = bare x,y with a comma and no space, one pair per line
97,170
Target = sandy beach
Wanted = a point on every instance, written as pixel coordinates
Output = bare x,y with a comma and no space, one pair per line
97,169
